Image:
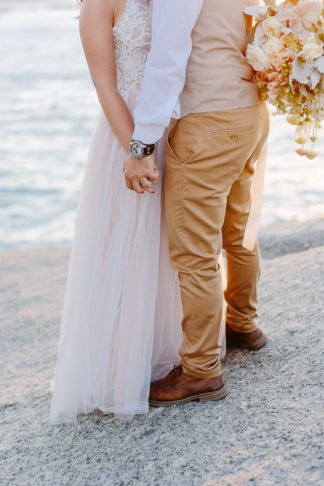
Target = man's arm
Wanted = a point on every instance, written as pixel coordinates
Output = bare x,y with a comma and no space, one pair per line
165,72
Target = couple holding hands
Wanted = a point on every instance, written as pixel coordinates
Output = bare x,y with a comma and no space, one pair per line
143,316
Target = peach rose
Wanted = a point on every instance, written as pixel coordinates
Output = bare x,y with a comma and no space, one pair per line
274,50
271,27
257,58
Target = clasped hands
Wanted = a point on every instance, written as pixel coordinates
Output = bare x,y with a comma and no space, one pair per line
141,174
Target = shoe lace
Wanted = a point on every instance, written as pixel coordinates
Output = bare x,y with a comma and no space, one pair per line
174,376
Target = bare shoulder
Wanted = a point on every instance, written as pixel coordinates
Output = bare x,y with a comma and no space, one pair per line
102,9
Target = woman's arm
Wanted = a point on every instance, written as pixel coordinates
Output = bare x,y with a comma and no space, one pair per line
96,30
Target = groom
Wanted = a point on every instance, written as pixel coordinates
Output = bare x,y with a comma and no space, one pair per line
197,76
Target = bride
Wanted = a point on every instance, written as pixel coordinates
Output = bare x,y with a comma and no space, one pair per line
121,319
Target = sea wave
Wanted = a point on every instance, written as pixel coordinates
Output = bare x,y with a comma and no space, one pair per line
48,114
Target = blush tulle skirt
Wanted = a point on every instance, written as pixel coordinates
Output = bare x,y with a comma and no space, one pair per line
121,317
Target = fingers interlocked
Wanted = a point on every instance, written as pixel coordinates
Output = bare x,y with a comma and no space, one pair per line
146,183
141,175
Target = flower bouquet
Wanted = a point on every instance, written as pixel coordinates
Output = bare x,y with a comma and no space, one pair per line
287,56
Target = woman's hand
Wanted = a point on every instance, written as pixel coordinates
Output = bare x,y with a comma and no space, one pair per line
141,174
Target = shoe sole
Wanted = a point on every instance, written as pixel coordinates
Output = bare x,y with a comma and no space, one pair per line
258,344
202,397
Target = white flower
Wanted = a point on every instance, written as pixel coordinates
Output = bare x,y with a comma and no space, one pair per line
315,78
272,27
259,36
320,64
285,11
259,12
301,71
311,49
301,17
309,12
257,58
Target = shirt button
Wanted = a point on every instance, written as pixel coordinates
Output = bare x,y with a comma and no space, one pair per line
234,138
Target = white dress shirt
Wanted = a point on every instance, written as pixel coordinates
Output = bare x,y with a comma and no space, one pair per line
165,72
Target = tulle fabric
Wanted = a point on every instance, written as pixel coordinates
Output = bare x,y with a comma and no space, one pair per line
121,320
105,351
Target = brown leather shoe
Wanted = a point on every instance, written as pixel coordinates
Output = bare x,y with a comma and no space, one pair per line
248,340
177,387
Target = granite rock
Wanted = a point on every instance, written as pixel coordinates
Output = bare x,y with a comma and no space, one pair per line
267,431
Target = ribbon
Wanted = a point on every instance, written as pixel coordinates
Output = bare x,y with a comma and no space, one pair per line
252,225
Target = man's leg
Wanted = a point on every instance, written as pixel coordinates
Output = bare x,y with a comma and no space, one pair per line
243,266
243,271
205,155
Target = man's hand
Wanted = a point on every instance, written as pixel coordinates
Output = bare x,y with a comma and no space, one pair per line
140,174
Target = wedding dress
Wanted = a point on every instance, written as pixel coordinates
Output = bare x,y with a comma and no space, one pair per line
121,318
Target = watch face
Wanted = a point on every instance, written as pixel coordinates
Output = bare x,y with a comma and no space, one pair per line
137,149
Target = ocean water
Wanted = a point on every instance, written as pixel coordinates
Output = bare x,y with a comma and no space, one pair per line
48,111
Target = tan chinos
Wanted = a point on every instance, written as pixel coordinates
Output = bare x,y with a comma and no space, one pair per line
208,173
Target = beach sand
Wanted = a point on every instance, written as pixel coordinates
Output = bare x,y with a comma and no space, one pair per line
267,431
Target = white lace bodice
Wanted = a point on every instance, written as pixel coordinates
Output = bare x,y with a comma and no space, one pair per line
132,39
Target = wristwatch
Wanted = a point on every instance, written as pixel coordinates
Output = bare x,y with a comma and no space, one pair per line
139,150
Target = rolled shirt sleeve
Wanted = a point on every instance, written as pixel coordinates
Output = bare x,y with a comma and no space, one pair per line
165,71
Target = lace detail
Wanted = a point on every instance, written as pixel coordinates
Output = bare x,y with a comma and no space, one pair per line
132,40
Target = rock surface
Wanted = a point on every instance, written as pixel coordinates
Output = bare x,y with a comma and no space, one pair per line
284,238
267,431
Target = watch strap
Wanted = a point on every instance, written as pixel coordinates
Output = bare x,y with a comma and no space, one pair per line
148,149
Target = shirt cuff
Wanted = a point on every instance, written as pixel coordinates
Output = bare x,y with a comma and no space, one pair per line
148,133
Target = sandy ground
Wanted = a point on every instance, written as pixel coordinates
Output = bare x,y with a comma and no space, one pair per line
267,431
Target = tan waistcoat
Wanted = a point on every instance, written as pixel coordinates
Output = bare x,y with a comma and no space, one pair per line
218,75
